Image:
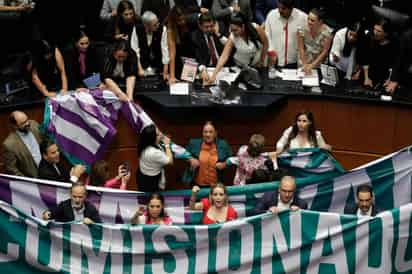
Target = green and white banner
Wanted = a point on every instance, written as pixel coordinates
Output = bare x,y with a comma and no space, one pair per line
316,241
291,242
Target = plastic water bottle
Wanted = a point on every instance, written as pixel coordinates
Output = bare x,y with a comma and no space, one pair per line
272,68
272,72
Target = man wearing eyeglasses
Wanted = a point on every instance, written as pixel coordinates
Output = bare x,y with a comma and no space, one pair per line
21,151
283,198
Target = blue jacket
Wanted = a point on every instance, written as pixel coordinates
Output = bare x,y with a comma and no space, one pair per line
223,152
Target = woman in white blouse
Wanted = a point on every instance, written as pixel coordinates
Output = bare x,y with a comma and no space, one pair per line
302,134
250,42
154,154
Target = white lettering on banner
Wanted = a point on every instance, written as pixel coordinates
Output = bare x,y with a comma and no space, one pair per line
328,226
81,242
12,251
272,234
363,243
223,248
202,249
116,247
402,189
138,243
342,186
55,248
160,245
111,203
404,238
27,197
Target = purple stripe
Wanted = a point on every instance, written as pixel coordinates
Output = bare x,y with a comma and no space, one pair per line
77,120
76,149
5,193
127,113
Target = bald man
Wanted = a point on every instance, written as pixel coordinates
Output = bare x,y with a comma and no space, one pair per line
281,199
74,209
21,151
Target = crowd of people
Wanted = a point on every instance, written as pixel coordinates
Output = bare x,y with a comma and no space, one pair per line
146,38
139,42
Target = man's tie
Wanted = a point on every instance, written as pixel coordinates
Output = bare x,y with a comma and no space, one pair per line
212,51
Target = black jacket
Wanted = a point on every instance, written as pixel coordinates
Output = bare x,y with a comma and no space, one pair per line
353,209
64,212
150,56
48,172
270,199
201,49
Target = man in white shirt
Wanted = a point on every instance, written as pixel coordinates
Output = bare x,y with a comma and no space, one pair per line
21,151
281,26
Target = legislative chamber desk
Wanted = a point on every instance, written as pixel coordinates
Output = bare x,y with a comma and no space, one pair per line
360,127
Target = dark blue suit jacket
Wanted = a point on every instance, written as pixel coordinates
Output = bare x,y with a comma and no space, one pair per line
270,199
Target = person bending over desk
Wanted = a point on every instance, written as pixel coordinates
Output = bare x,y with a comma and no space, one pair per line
250,42
47,69
120,64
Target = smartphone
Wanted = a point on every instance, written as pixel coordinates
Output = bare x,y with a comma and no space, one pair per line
126,166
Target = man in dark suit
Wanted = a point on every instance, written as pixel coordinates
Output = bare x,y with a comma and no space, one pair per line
283,198
21,152
208,43
365,205
74,209
51,168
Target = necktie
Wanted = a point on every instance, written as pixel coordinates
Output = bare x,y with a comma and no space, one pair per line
286,43
212,51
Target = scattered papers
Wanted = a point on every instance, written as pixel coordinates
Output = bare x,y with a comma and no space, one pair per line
223,75
289,75
179,89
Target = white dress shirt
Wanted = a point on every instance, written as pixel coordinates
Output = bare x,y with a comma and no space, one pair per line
276,30
280,145
345,64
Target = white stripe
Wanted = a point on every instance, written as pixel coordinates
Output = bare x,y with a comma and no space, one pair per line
76,134
402,191
91,121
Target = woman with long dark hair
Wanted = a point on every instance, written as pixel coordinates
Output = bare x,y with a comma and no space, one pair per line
178,42
154,154
302,134
250,42
82,60
120,66
47,69
154,214
343,53
378,55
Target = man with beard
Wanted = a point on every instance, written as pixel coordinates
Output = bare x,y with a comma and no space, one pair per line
21,151
365,205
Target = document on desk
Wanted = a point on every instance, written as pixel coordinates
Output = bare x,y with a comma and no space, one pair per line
309,80
223,75
289,75
179,89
